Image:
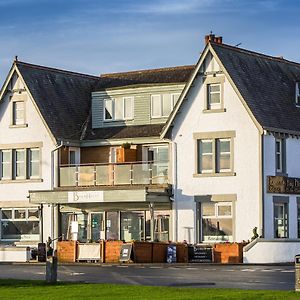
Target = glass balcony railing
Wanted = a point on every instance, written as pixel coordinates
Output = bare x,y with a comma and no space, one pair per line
137,173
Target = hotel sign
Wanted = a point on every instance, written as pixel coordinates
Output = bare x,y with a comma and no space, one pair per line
283,185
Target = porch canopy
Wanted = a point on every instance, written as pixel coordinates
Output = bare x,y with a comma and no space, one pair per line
106,198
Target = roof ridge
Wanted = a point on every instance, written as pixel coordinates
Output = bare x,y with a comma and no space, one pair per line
56,70
254,53
147,70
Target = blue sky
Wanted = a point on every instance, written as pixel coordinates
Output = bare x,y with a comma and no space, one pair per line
101,36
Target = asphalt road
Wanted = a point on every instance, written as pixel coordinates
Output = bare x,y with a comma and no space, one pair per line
208,276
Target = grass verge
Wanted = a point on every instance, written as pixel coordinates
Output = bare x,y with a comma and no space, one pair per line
20,289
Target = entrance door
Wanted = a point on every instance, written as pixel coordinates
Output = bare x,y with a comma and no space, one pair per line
97,226
112,225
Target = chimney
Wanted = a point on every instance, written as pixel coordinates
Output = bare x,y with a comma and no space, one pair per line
212,38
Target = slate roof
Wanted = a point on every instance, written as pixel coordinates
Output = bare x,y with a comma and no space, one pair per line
179,74
121,132
62,97
266,83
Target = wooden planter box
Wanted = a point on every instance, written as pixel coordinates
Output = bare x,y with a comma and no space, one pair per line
66,251
112,251
182,253
142,252
228,253
159,252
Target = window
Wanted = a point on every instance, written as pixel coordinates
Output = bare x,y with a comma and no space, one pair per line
162,105
214,96
280,220
20,224
217,221
34,163
18,113
297,93
214,155
20,164
118,109
205,156
298,218
5,164
280,155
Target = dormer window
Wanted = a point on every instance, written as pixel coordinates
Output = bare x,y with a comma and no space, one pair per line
297,94
118,109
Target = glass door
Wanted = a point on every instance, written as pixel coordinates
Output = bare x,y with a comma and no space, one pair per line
132,226
280,220
112,225
97,227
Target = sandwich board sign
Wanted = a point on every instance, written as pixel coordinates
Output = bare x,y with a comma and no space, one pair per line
125,252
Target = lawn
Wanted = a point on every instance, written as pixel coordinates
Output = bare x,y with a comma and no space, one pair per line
18,289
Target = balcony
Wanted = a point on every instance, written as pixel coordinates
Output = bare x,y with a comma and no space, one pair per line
136,173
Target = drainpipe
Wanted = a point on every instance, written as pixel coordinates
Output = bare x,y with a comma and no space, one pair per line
262,187
52,187
52,163
175,191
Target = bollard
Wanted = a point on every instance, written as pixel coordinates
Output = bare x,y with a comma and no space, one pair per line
51,270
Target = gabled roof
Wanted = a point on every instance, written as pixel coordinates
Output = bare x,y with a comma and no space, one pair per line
179,74
265,83
62,97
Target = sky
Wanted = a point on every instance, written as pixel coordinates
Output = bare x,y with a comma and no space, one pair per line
103,36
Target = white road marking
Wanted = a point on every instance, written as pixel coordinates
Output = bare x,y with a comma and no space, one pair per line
155,267
288,271
122,266
268,270
248,270
191,268
77,273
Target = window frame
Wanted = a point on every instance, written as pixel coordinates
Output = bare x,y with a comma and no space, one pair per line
285,205
213,80
13,164
123,101
282,156
161,104
216,216
215,137
13,119
15,219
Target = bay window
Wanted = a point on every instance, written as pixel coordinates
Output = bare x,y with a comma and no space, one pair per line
217,222
20,224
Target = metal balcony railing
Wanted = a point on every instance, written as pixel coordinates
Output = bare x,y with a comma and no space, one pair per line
136,173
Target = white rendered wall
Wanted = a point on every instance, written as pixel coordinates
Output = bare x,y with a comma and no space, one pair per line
272,251
14,193
292,170
245,184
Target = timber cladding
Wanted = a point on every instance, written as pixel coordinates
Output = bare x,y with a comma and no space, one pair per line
91,155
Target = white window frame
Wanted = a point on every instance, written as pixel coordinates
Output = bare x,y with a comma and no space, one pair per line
16,162
14,219
173,99
113,101
8,163
30,161
161,96
212,154
219,153
15,120
131,108
212,106
217,216
279,154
